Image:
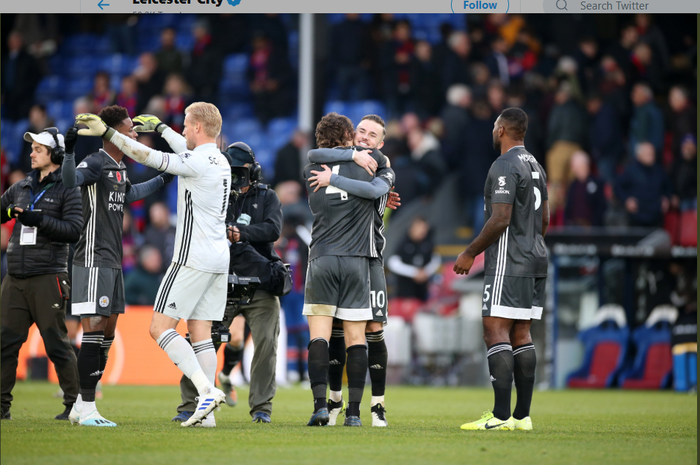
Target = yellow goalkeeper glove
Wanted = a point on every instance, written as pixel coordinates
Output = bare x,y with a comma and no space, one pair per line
149,123
95,126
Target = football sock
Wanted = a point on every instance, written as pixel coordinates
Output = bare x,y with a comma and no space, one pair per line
525,362
318,371
206,357
377,359
89,364
336,356
104,353
88,408
500,357
232,355
183,356
357,370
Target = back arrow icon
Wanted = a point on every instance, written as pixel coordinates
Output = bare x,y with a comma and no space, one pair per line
101,4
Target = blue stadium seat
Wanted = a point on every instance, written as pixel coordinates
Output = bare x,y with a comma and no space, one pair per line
102,45
335,18
118,64
237,110
184,42
64,124
7,133
84,65
232,89
77,87
49,87
266,157
293,38
60,109
236,64
243,129
280,130
15,133
337,106
366,107
79,43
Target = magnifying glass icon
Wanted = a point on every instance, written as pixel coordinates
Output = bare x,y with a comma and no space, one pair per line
561,5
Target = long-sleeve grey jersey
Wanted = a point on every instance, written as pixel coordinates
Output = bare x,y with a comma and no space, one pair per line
517,179
343,222
104,188
378,189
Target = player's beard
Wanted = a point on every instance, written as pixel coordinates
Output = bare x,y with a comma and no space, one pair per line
497,144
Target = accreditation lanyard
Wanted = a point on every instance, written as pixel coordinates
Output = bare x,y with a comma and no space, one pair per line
36,198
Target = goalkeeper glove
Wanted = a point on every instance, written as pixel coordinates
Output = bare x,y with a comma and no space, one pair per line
95,126
71,139
149,123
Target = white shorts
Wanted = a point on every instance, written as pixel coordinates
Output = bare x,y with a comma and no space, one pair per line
192,294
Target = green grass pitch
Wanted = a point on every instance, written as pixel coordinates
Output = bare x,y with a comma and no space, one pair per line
571,427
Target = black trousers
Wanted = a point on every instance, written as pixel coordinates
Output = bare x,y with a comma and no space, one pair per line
41,300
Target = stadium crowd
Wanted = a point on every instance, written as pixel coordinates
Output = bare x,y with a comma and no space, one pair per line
610,101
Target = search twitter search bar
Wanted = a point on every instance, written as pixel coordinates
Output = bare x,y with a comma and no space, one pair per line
619,6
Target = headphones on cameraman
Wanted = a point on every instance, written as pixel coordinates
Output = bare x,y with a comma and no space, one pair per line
57,153
255,168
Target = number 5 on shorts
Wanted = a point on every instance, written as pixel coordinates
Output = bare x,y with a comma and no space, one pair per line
487,295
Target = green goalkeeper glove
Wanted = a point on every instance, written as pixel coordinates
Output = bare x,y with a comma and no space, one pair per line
149,123
95,126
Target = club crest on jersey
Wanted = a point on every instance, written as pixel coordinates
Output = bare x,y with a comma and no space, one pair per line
104,301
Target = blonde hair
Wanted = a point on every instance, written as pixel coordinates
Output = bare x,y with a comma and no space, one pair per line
208,115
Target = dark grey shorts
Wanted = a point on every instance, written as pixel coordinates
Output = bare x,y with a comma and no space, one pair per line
97,291
377,292
338,287
513,297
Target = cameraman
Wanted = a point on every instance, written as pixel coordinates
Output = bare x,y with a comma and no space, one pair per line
36,288
257,217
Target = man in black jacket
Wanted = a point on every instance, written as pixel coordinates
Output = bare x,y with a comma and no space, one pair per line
36,288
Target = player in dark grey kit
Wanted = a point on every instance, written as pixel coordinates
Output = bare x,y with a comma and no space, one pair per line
517,217
98,284
370,135
337,283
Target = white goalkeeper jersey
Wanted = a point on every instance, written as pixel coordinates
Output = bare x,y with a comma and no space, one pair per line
204,182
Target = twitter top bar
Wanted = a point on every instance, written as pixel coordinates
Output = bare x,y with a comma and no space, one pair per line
359,6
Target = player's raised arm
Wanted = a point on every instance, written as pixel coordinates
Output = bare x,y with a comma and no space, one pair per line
151,123
361,157
371,190
179,164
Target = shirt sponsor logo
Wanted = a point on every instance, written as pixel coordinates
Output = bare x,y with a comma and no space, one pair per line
116,201
502,191
82,165
501,181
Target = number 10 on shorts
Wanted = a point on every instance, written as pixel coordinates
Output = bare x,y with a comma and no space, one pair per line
377,299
